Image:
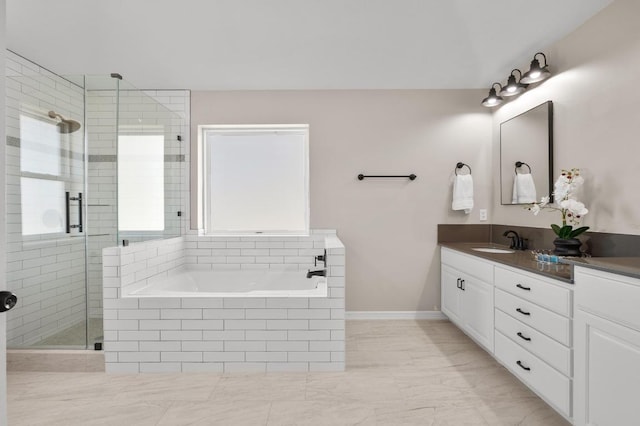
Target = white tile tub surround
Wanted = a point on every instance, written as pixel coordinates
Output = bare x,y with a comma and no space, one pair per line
223,334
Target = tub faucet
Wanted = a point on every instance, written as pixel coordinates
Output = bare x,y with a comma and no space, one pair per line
319,273
517,242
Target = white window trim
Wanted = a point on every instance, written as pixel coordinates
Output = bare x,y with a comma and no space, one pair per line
203,174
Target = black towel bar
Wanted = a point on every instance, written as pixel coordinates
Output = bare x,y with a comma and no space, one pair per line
410,177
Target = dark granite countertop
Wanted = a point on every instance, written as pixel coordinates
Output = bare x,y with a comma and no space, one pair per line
629,266
518,259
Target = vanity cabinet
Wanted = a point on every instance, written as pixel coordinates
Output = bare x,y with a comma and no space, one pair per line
533,333
467,295
607,348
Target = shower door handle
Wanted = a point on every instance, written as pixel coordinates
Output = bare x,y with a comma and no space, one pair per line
79,200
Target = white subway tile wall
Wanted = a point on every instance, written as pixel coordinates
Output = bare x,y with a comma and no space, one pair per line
46,270
222,334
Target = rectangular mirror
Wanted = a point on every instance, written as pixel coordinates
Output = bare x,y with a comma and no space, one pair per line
526,156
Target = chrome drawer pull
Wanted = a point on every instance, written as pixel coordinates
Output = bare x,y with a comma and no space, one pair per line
523,287
521,365
523,337
523,312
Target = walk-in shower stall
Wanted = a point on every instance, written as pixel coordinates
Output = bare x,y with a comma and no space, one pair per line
91,161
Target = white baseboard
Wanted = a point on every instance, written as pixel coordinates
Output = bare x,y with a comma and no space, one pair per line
394,315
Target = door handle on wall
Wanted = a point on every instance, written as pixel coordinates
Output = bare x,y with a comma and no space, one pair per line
68,214
7,300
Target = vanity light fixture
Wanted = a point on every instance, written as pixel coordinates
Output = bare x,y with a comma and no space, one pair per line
536,73
513,87
493,99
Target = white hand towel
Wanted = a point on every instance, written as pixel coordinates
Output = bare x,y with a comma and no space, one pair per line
462,193
524,189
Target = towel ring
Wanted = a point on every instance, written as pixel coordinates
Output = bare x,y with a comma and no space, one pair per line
459,166
520,164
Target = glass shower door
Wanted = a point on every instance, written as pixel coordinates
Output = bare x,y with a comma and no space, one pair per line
46,266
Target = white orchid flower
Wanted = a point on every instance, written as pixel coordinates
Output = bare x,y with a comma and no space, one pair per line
561,188
577,181
566,203
574,206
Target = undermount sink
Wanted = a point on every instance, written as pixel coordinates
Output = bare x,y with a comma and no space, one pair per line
493,250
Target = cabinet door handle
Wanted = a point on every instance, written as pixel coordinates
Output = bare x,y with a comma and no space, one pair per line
523,287
523,312
523,337
458,285
521,365
462,285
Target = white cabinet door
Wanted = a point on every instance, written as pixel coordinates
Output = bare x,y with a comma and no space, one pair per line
477,311
451,294
468,302
607,372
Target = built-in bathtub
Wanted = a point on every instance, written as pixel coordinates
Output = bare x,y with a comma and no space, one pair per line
242,283
224,304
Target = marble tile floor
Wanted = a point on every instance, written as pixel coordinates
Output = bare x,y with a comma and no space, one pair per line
398,373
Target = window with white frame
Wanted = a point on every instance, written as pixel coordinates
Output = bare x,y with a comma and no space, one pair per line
256,179
43,177
141,182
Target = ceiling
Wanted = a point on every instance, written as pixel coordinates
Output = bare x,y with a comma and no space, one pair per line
292,44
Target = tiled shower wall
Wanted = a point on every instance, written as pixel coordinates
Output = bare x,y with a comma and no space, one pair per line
139,112
46,270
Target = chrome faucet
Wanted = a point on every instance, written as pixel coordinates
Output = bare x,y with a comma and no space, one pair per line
517,242
319,273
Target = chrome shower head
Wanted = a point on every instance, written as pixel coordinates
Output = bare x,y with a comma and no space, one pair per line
65,125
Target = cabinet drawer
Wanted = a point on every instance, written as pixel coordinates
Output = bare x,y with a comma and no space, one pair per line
543,293
550,351
471,265
550,384
613,296
553,325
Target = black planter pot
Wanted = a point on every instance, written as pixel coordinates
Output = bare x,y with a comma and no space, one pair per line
567,247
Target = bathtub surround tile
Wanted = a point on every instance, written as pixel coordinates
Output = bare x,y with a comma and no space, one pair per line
202,303
288,346
202,346
272,313
221,313
256,334
162,346
300,303
159,325
202,367
291,324
245,367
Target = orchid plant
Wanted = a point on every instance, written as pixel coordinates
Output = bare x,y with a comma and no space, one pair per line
566,203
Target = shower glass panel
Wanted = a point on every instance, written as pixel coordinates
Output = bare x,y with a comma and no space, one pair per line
150,162
46,238
77,147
